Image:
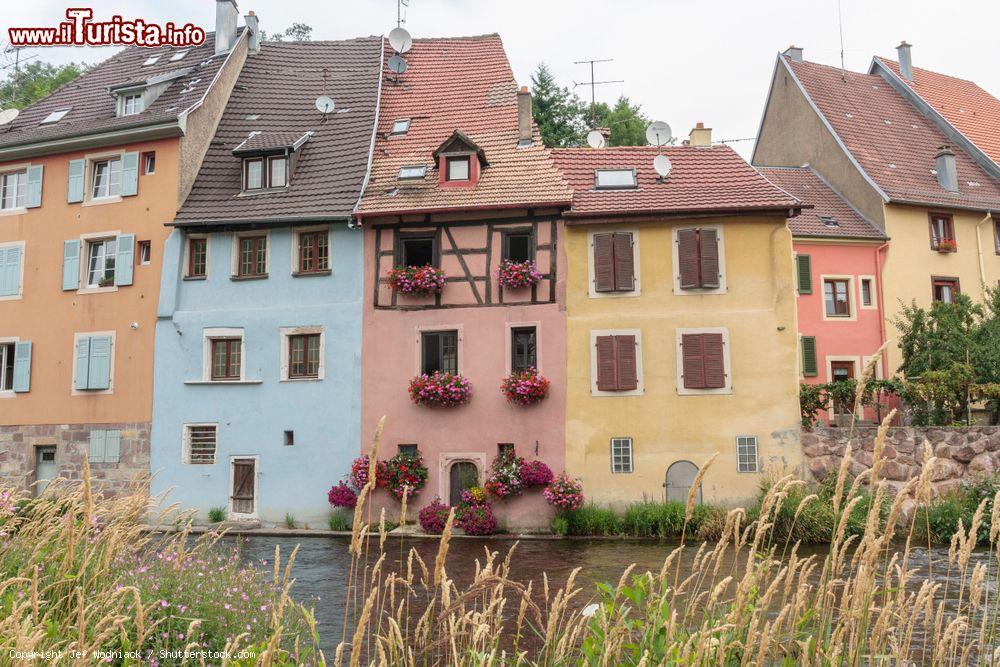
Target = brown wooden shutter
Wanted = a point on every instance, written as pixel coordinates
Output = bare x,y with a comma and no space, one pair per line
604,263
708,247
688,263
715,361
624,263
607,366
628,374
693,358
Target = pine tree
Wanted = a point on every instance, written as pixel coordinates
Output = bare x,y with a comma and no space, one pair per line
556,110
626,120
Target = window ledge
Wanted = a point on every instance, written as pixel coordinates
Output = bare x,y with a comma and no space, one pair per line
97,290
287,379
195,278
242,278
261,191
100,201
7,393
19,210
307,274
12,297
196,382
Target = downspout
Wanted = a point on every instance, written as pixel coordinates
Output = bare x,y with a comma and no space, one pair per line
979,246
881,306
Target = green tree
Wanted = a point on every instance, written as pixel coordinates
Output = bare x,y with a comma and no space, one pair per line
297,32
626,121
556,110
34,81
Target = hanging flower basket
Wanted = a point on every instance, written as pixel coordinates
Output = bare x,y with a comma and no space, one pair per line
417,279
342,495
535,473
947,245
564,493
525,388
518,275
403,471
443,390
504,479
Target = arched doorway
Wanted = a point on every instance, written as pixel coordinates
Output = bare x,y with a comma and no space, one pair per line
680,477
461,476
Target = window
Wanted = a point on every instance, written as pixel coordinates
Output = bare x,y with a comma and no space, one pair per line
149,162
518,246
55,116
615,179
704,361
107,178
105,445
523,354
227,354
698,265
996,234
150,60
746,453
101,255
132,104
614,263
418,251
6,366
304,356
439,351
621,455
145,251
942,228
828,220
945,289
197,257
94,357
289,438
253,257
314,252
278,174
408,449
253,177
178,56
616,364
413,171
867,293
505,448
400,126
13,190
837,297
457,168
199,443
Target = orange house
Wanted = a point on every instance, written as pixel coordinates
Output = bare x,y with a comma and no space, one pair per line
88,177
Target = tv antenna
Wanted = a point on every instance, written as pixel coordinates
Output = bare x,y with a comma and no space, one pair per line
593,83
840,25
324,103
8,116
400,17
400,41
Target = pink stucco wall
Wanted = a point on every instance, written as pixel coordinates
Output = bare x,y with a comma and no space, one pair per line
391,357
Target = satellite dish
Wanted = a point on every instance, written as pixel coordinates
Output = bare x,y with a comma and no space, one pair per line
397,64
324,104
7,115
399,39
595,139
662,166
658,133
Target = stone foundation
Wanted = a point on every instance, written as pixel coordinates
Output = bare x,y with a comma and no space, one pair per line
18,446
963,452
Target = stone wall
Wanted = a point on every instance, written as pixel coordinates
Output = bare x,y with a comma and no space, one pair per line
963,452
72,442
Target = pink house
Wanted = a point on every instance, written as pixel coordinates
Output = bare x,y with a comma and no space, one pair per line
461,182
838,260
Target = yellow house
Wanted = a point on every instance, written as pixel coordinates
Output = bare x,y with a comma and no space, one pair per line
681,330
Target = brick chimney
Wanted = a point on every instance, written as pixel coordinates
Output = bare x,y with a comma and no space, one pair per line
947,171
524,132
905,61
254,25
700,135
794,53
226,13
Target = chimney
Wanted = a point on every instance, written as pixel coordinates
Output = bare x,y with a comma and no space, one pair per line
905,62
700,135
254,25
947,172
524,130
226,12
794,53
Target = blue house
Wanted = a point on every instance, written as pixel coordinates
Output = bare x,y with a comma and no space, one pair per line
257,381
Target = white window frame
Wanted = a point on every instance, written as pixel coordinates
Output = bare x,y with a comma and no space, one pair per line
139,245
637,270
740,454
186,443
675,250
12,341
111,363
111,162
631,170
55,116
216,333
296,238
852,295
20,278
630,455
287,332
21,171
90,162
726,357
270,171
187,255
432,328
508,341
640,388
413,172
235,268
874,293
147,158
85,247
132,104
405,122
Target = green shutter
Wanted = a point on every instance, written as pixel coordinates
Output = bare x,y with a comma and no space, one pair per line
98,443
74,188
99,372
112,444
10,271
22,366
71,264
124,259
130,174
803,268
34,192
82,362
809,368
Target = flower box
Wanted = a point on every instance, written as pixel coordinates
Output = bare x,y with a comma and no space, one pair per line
525,388
518,275
947,245
416,279
443,390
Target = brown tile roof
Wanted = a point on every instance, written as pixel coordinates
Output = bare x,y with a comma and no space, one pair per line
92,107
702,180
894,144
280,85
259,141
807,186
463,84
970,109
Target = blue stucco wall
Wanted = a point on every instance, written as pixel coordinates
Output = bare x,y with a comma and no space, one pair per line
325,414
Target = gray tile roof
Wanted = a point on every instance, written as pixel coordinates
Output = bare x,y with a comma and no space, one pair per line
269,141
275,95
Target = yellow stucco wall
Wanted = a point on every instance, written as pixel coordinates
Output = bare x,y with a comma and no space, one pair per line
759,312
910,263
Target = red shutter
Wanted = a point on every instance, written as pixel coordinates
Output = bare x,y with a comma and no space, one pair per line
708,247
715,364
688,263
607,367
604,263
693,356
628,375
624,263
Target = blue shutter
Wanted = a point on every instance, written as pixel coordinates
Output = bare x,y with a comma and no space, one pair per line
22,366
99,374
130,174
74,191
10,270
34,197
82,362
98,441
112,444
71,264
124,259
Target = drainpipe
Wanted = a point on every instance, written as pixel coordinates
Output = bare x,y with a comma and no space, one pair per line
881,305
979,246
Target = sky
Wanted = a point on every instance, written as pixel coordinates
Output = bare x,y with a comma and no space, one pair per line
684,61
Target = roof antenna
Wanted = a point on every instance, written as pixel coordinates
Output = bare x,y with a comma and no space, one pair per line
840,25
400,41
324,103
593,86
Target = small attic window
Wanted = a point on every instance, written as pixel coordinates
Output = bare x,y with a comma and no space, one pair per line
179,55
131,104
150,60
55,116
400,126
457,168
615,179
828,220
412,171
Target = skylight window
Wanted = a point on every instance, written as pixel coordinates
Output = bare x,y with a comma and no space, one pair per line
400,126
55,116
615,179
178,55
412,171
150,60
252,116
828,220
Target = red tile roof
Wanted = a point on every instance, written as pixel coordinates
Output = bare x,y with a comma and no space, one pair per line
702,180
973,111
463,84
806,185
894,144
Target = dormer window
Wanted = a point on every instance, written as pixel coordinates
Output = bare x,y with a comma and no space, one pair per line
131,104
265,172
277,173
615,179
253,174
459,161
412,172
401,126
457,168
269,158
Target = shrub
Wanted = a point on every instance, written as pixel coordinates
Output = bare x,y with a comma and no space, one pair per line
416,279
442,390
560,525
654,519
518,275
341,495
564,492
591,519
434,517
217,514
478,520
940,520
403,471
289,520
535,473
339,520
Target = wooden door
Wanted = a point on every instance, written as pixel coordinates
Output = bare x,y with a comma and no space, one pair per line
244,486
45,468
841,371
462,476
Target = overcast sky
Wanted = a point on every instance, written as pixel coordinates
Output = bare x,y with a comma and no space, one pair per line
683,60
